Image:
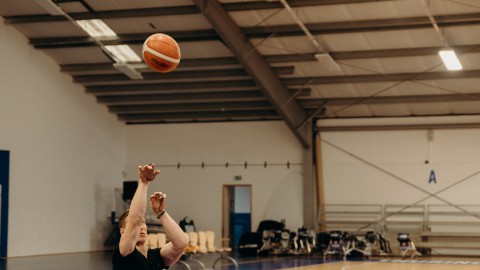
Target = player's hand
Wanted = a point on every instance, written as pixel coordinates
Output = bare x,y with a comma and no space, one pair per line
147,173
157,202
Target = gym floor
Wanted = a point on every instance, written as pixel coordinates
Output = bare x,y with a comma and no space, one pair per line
101,261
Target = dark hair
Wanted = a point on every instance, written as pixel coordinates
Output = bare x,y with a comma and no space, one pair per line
122,221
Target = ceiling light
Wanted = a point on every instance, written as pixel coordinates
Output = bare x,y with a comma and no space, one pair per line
96,28
128,70
123,53
450,59
326,60
50,7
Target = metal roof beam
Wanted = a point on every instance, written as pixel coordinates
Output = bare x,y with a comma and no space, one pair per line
150,89
108,14
182,98
159,88
128,39
105,68
198,116
190,74
313,103
362,26
99,68
200,107
274,31
367,78
153,88
291,112
174,10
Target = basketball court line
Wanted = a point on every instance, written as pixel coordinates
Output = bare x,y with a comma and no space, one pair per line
394,265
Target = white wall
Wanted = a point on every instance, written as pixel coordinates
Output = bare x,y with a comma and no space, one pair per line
196,192
388,167
67,154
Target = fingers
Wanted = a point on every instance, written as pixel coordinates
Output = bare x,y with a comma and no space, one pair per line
147,167
142,169
157,201
147,172
159,195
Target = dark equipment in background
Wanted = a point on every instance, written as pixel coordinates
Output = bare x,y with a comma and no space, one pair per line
129,188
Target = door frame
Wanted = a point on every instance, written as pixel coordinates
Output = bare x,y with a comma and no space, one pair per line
226,210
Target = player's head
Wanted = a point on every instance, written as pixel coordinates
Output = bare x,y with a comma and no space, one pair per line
122,221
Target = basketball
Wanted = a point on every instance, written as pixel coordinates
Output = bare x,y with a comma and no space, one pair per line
161,53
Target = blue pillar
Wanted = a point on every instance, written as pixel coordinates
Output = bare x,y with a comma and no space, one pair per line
4,180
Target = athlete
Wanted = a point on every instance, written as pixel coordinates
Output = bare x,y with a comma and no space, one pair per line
132,252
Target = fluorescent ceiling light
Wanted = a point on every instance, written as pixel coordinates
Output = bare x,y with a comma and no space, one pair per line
128,71
326,60
96,28
50,7
123,53
450,60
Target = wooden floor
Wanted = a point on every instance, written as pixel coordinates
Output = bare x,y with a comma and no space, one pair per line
102,261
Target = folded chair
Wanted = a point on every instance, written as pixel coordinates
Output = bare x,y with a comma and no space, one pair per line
192,243
407,245
192,248
211,242
224,251
202,242
335,245
355,247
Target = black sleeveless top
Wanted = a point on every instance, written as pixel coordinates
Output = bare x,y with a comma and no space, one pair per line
136,260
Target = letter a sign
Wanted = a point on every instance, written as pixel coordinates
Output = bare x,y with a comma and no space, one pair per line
432,178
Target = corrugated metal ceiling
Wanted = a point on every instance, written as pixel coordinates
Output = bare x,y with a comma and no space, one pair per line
387,51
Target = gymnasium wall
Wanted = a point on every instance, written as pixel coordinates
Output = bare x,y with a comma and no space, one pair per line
395,167
197,193
67,154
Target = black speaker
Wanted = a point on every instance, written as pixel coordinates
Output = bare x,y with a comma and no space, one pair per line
129,188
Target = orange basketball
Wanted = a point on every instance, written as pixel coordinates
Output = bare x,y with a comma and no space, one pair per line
161,53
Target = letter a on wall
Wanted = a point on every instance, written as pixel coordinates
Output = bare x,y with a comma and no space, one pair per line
432,178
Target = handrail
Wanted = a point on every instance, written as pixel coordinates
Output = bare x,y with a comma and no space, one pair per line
428,217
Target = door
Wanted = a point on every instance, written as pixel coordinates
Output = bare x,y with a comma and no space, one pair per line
237,209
